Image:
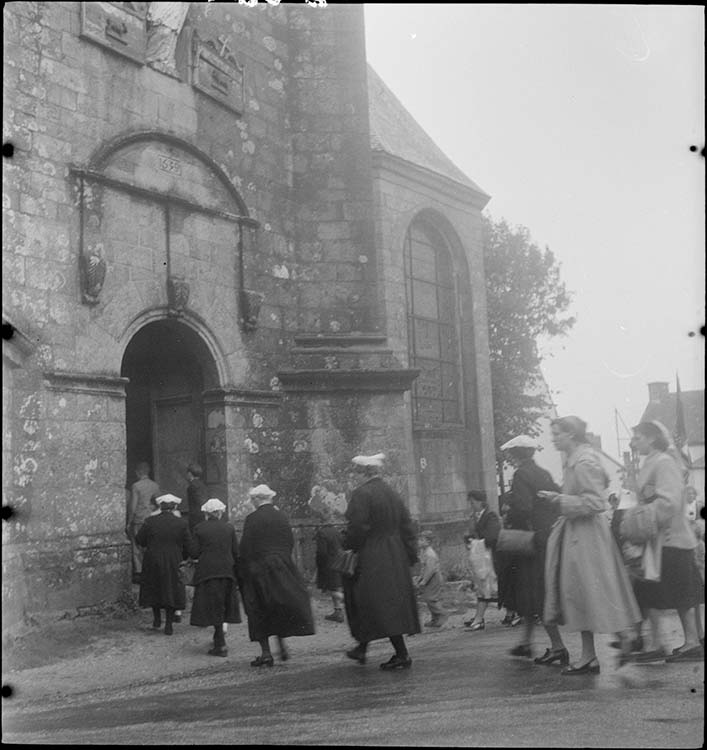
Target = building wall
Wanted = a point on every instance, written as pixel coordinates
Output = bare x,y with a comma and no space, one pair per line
448,461
288,400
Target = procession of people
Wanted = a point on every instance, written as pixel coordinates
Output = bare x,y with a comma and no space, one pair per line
562,556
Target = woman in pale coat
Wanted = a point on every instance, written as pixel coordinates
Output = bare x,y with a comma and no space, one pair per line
587,586
661,485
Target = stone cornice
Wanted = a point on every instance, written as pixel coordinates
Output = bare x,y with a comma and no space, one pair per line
338,381
242,397
87,382
314,343
461,194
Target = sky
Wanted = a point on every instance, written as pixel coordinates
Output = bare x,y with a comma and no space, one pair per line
578,121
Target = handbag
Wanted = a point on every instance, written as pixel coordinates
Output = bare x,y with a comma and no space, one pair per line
640,524
516,542
346,563
186,572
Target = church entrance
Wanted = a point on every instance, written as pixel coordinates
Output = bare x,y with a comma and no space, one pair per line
169,368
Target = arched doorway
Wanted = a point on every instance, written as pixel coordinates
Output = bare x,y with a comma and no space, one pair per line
169,368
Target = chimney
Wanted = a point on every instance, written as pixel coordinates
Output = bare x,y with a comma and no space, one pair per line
657,392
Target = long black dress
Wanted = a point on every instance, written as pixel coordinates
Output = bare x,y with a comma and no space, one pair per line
166,540
380,599
215,546
274,594
522,579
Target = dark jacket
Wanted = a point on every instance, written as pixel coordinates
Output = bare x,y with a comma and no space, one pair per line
380,599
274,594
197,495
527,510
215,545
487,527
328,541
166,541
521,580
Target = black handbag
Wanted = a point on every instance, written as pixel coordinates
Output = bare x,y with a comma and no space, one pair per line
346,563
516,542
186,572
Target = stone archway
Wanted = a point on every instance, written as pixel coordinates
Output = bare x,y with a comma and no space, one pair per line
169,368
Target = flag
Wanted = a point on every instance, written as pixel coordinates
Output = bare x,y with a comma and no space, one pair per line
680,433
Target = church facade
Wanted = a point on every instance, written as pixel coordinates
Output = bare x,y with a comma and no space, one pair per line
225,242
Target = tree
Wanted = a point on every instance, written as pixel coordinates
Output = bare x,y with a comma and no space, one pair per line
526,299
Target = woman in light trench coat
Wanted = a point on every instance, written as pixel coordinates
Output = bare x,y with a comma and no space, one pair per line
587,586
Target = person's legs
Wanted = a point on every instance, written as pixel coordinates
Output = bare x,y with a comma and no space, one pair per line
481,606
156,617
284,653
265,659
169,619
588,652
553,633
401,659
399,645
689,627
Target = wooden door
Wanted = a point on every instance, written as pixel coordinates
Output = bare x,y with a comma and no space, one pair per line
177,441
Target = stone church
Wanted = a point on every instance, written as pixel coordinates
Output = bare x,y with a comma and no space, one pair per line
225,241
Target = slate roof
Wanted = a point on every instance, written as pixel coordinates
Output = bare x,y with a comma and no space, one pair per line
693,405
395,131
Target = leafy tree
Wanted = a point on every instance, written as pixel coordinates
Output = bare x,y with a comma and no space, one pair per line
526,299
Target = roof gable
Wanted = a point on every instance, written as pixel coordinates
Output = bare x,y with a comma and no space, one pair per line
396,132
693,406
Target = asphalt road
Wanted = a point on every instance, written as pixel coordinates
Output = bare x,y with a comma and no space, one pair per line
462,690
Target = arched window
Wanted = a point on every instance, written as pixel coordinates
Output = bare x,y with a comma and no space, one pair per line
432,326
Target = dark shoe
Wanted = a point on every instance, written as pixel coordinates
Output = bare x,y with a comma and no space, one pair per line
397,662
168,629
649,657
357,655
218,651
477,625
696,653
590,667
522,649
262,661
552,655
337,616
177,618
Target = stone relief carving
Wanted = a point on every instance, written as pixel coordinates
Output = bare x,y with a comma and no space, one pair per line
216,72
164,24
250,302
177,293
93,274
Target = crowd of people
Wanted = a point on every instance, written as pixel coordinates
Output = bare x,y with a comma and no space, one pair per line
560,557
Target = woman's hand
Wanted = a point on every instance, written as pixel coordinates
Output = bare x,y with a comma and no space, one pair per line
548,495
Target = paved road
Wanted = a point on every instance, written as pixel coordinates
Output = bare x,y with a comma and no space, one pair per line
463,690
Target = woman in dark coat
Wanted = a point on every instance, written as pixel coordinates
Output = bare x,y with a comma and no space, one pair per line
380,598
328,546
215,546
166,540
274,595
486,526
523,587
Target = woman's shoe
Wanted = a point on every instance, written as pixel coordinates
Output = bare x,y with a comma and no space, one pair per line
552,655
590,667
397,662
218,651
696,653
357,655
168,629
262,661
522,649
650,657
477,625
516,621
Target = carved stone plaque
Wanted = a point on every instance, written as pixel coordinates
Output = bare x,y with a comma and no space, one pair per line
118,26
217,73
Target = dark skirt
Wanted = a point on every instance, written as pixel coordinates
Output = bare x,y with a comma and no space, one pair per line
276,599
680,585
215,602
521,585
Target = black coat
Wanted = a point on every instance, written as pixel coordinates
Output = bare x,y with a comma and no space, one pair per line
328,540
166,540
274,594
522,579
380,599
197,495
215,545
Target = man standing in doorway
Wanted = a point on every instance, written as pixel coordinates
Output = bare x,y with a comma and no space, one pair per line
197,495
139,508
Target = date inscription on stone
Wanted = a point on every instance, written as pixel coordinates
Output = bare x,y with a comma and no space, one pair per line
168,164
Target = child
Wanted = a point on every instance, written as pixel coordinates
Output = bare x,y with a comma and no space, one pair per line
328,541
429,581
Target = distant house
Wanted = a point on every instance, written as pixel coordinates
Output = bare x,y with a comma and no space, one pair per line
662,405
